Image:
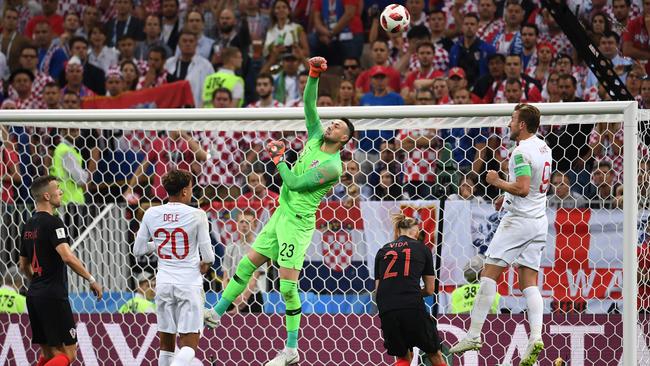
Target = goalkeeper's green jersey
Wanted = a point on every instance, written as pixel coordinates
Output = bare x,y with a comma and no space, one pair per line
315,172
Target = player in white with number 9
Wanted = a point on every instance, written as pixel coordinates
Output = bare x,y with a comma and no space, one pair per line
180,233
521,235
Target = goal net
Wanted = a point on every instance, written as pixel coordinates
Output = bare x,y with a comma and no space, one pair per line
429,162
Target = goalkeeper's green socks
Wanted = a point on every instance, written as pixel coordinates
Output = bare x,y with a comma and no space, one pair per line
289,291
236,285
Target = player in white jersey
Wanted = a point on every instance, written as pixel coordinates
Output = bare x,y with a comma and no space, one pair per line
521,235
180,234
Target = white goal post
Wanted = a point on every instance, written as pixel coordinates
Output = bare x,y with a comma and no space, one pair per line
403,117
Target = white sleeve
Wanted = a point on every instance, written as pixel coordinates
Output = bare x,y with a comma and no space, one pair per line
203,237
142,244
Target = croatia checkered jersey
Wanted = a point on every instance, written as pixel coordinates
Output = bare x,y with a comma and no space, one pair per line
531,157
180,233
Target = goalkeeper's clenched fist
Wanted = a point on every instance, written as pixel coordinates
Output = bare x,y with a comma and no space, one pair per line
276,149
317,65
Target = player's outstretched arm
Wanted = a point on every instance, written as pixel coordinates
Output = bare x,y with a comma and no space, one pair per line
312,179
317,65
68,257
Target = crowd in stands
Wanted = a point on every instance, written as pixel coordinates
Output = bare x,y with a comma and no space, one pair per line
252,54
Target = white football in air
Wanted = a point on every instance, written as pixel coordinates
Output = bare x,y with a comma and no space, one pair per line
395,19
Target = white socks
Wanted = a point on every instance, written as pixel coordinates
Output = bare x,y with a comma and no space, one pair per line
535,305
482,305
165,358
183,357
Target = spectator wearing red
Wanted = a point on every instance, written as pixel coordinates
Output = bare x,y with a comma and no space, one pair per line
29,61
489,25
440,90
456,11
456,80
513,70
257,189
514,93
9,172
409,60
540,68
416,9
379,55
49,15
21,80
426,71
156,74
636,38
554,34
338,30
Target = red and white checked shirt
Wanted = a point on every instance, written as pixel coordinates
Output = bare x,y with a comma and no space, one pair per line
468,7
608,154
440,59
227,149
137,140
421,163
490,30
534,94
33,102
160,80
559,41
40,80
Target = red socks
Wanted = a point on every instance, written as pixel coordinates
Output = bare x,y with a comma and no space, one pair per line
58,360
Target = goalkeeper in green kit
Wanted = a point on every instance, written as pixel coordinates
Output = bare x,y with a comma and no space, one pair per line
289,231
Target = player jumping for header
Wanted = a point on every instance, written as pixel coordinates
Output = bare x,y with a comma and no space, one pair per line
521,235
289,231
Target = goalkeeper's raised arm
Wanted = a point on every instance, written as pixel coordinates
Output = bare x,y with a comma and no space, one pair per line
317,65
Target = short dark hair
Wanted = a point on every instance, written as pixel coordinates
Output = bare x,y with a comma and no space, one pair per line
611,34
418,31
425,44
29,46
158,49
472,15
228,53
39,186
500,56
51,84
561,56
175,180
568,77
124,37
350,128
76,39
222,90
530,115
264,76
512,81
17,72
532,26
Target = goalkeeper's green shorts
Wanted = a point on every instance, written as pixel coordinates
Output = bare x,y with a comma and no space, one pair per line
285,238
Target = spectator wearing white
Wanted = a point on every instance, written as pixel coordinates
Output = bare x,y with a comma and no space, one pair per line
99,54
561,195
466,189
195,23
284,32
189,65
250,300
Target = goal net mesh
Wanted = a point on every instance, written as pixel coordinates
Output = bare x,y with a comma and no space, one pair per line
430,168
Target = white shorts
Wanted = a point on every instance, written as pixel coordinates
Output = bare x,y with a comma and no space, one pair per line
519,241
179,308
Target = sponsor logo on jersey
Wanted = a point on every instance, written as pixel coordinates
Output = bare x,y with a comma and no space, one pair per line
314,164
73,333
